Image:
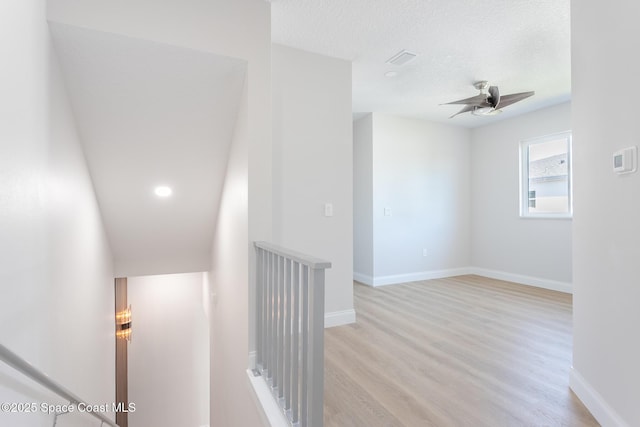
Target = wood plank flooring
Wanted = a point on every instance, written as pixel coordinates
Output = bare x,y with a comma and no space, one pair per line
462,351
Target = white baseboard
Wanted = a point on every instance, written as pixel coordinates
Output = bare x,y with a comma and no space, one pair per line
409,277
338,318
269,410
553,285
363,278
598,407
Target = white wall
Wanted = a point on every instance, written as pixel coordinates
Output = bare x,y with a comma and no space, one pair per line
239,29
606,229
502,243
421,175
312,165
230,398
455,193
168,356
363,197
56,271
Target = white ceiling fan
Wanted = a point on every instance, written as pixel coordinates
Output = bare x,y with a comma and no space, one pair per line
488,103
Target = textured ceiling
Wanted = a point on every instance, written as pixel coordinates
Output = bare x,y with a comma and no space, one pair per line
518,45
151,114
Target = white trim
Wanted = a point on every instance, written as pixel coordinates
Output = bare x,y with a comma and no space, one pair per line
524,176
414,277
270,412
363,278
563,216
338,318
553,285
594,402
252,359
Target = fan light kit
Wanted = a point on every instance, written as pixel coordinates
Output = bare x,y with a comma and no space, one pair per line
485,111
488,104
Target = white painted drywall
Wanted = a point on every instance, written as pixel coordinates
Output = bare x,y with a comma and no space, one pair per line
152,113
421,176
312,165
363,198
230,402
56,270
238,29
244,216
477,185
606,230
168,356
501,241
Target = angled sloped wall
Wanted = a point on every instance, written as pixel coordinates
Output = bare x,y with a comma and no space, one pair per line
56,269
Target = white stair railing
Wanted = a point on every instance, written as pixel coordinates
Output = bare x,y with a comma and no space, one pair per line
290,331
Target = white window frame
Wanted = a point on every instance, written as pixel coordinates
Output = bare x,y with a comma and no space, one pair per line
524,176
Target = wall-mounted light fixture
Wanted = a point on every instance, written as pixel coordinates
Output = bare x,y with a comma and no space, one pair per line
123,324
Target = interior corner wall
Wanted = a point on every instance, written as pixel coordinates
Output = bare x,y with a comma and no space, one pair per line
503,244
606,230
168,356
420,206
363,199
56,269
231,403
312,166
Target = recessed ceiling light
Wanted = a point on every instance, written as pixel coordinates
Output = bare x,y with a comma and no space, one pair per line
163,191
391,74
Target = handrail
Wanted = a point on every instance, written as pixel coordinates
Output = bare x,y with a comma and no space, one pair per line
312,262
21,365
290,331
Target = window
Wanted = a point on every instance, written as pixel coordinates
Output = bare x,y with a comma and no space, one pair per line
545,177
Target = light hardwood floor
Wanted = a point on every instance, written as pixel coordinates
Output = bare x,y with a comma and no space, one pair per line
462,351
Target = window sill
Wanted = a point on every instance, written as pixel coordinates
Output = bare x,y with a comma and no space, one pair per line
548,216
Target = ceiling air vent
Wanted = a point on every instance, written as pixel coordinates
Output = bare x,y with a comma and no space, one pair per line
401,57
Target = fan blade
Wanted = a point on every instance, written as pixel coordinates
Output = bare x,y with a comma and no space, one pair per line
477,100
494,99
464,110
513,98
